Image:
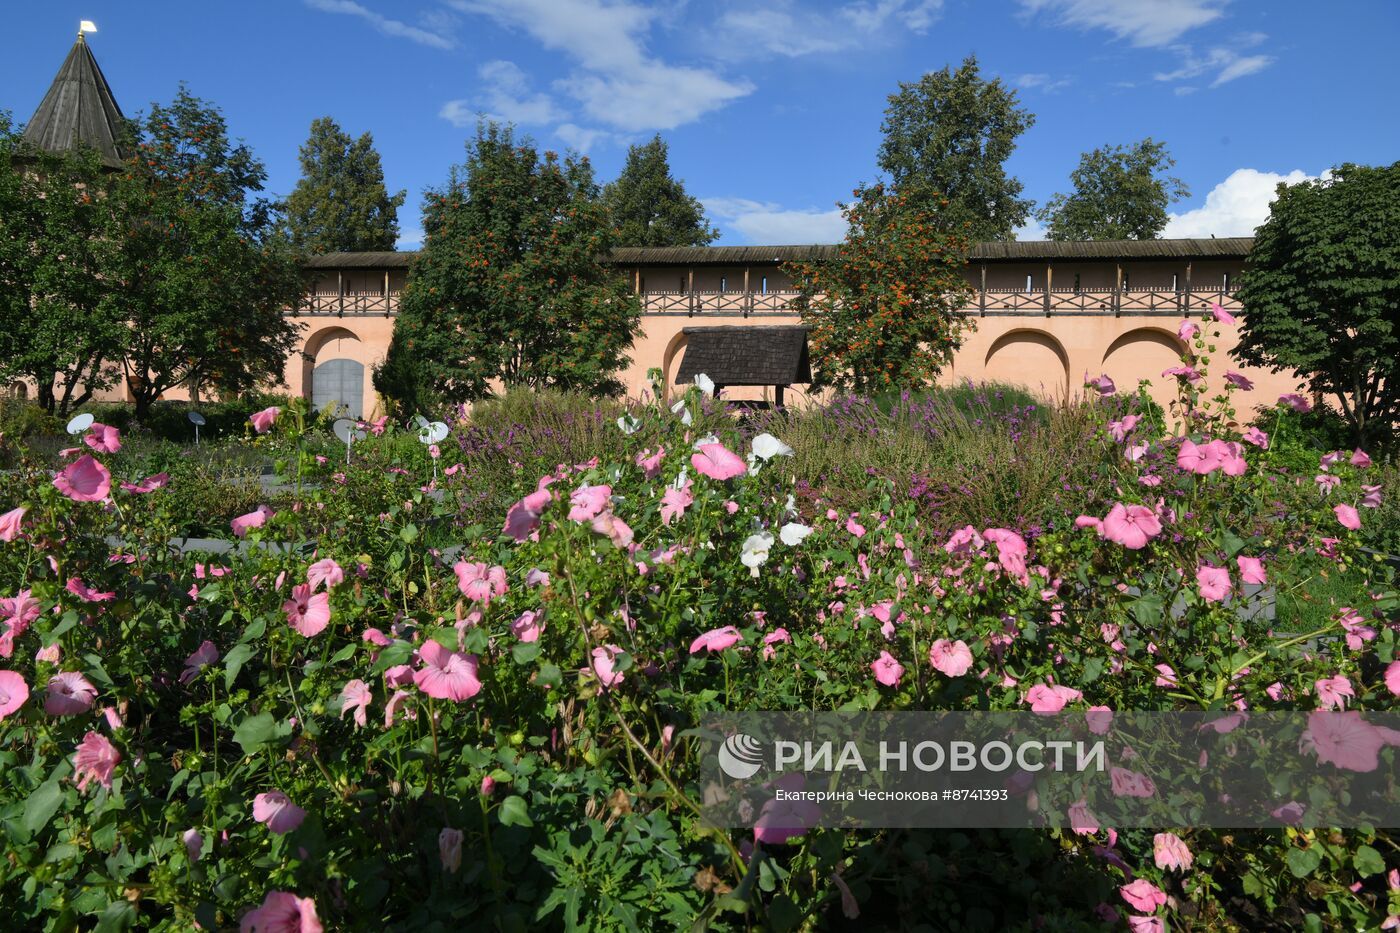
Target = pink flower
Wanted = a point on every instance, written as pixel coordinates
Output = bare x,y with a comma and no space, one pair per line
1146,925
392,708
1348,516
588,502
1189,373
277,810
194,844
1296,402
1240,380
1127,783
1220,314
1121,429
1344,740
1011,551
716,639
1170,853
675,501
616,530
1131,525
356,695
1213,583
855,527
1166,676
11,523
1257,437
887,670
1332,692
378,425
69,694
1143,895
524,517
256,519
604,657
1360,459
479,582
103,438
14,692
1187,331
1232,461
1392,677
95,760
950,658
282,913
1251,570
1082,819
718,462
206,653
1050,698
1201,459
1099,719
446,675
84,480
262,420
86,593
651,465
450,849
149,484
309,613
488,784
1102,384
1326,482
325,571
528,626
1371,498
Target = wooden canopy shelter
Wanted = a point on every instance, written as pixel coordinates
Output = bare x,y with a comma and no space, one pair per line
747,356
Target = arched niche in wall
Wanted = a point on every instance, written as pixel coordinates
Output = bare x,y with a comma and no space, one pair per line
1143,353
331,372
1033,359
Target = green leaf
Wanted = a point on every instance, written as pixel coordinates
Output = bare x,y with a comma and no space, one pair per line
1303,862
119,915
549,675
255,732
1368,862
233,663
524,652
514,812
42,804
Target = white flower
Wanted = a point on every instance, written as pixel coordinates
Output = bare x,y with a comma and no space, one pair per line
792,533
707,439
629,425
705,384
680,409
755,551
680,479
767,447
790,509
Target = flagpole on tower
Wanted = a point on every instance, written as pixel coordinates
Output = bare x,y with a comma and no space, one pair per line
86,26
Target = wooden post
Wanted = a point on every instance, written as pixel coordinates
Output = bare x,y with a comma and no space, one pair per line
1186,305
1049,277
690,288
982,302
637,281
1118,289
778,396
340,290
386,291
747,302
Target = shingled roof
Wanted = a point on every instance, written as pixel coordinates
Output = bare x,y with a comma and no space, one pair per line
746,356
79,109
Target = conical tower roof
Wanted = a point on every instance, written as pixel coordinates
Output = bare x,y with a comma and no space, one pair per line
79,109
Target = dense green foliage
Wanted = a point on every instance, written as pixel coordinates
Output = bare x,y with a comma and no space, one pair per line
1120,193
58,323
340,202
649,207
1321,294
512,284
947,137
884,314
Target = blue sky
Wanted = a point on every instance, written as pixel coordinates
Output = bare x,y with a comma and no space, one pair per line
772,107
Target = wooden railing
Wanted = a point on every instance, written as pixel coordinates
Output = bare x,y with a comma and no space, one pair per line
698,302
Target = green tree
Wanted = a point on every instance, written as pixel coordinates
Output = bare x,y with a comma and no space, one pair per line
512,284
1321,293
59,327
340,203
649,207
884,314
947,138
1120,193
203,277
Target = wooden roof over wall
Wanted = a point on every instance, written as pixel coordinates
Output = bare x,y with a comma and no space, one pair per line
1009,251
78,110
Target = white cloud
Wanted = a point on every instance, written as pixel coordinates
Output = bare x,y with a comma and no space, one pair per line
1144,23
580,138
390,27
409,238
1032,229
617,81
1235,206
770,224
506,98
1041,80
788,29
1227,64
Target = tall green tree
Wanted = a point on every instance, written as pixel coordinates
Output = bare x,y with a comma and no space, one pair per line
1321,293
1120,193
59,327
649,207
203,277
340,203
947,137
884,315
512,283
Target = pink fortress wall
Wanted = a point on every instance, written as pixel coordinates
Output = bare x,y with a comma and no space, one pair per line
350,316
